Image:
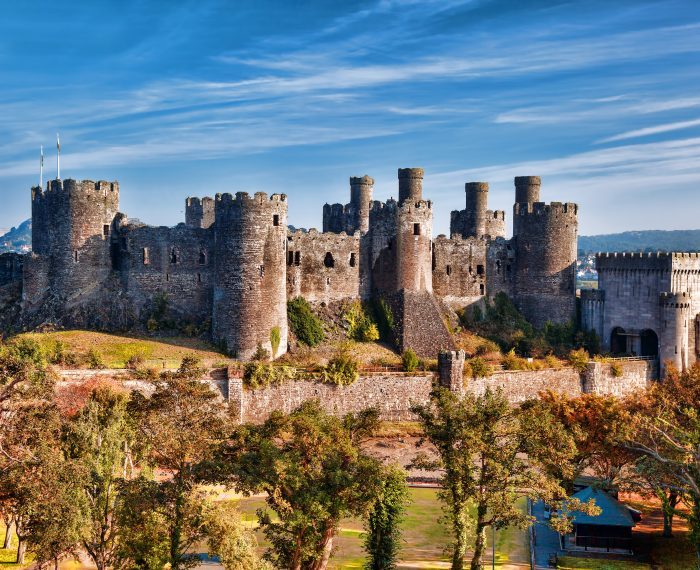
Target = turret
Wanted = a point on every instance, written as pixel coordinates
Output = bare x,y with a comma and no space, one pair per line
673,340
477,194
413,254
199,213
361,189
527,191
250,305
410,184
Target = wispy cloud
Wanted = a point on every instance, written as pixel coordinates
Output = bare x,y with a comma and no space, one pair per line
656,129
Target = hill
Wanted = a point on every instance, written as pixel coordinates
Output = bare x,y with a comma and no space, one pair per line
18,239
646,241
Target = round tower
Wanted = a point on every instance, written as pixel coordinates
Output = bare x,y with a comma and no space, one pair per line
545,280
414,226
361,189
250,304
527,192
673,340
73,232
410,184
477,194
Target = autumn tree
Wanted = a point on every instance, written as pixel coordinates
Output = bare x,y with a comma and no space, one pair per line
667,435
491,453
99,438
314,473
178,426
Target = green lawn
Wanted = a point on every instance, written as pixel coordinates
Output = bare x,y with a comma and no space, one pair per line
425,537
573,563
9,555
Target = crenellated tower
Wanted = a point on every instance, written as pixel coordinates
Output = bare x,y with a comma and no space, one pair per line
71,235
545,238
414,227
410,184
249,301
674,336
476,220
199,213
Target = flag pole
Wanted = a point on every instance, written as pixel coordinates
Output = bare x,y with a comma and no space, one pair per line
41,168
58,158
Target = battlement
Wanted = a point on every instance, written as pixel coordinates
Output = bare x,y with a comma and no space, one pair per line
496,215
361,181
542,209
411,173
528,181
194,201
675,300
419,205
476,187
72,187
634,261
245,198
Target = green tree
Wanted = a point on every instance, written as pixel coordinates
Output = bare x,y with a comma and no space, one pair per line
230,539
306,326
100,439
491,453
179,425
383,538
409,360
314,473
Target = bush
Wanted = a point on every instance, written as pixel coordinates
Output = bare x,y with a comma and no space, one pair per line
259,374
60,355
579,359
512,362
306,326
341,370
409,360
261,354
479,368
135,362
384,318
360,325
275,339
616,369
94,360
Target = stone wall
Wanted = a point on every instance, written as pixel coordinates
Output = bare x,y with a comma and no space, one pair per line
459,270
598,378
10,268
521,385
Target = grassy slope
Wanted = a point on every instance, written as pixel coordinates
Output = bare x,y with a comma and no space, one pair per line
425,537
571,563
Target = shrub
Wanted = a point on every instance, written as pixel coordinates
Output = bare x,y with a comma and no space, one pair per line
258,374
341,370
579,359
135,362
616,369
479,368
306,326
552,362
261,354
60,355
360,325
384,318
94,360
146,373
409,360
275,339
512,362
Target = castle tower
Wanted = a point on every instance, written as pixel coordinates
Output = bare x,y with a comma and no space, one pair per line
199,213
414,226
361,189
410,184
475,213
451,370
593,310
675,331
250,304
527,191
72,230
545,239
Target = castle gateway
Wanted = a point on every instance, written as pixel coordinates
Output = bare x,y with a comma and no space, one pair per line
233,264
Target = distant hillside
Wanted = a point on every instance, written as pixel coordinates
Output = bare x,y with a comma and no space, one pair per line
17,239
646,241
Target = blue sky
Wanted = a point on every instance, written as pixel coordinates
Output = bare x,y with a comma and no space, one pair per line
602,99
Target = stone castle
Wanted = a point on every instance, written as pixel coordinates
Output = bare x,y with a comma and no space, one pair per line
234,263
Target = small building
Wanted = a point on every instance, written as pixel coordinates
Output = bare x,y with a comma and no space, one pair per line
610,531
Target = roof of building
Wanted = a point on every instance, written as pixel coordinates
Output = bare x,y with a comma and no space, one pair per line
613,512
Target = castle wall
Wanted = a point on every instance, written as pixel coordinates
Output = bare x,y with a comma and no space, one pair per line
414,228
500,267
10,268
593,311
249,298
177,262
382,246
323,267
199,213
459,270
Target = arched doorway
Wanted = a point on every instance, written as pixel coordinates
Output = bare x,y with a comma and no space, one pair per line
649,342
618,341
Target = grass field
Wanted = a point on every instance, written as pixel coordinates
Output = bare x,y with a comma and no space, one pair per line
426,539
9,555
115,350
572,563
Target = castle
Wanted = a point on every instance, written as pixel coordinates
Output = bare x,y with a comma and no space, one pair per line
647,304
234,263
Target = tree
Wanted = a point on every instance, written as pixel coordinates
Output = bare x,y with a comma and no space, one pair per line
668,435
598,425
23,373
491,454
179,426
230,539
314,473
383,538
99,438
